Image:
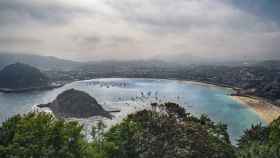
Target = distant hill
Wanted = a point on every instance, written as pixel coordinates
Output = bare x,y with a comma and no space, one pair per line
20,76
183,59
46,63
269,64
40,62
125,66
74,103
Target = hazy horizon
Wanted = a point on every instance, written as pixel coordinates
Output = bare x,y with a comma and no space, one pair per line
91,30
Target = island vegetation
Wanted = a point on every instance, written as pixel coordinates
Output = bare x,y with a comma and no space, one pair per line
165,131
16,76
75,103
20,77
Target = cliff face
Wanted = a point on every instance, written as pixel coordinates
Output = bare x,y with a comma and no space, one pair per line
20,76
74,103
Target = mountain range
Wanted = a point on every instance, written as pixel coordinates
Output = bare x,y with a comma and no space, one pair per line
47,63
41,62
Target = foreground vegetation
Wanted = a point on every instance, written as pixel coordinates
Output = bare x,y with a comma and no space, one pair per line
166,131
40,135
261,142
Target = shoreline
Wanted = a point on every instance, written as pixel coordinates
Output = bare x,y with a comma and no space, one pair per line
22,90
266,111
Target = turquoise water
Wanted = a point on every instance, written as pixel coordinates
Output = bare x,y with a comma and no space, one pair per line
196,98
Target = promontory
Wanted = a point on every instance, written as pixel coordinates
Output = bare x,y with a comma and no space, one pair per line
75,103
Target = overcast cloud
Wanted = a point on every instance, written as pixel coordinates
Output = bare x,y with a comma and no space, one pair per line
141,29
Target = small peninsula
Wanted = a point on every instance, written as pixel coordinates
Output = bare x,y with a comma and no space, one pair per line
20,77
75,103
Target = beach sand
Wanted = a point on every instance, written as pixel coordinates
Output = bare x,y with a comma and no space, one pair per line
267,111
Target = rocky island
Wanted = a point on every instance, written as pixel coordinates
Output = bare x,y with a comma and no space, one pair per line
20,77
78,104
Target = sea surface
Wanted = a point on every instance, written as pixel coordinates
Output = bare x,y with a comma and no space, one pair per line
112,93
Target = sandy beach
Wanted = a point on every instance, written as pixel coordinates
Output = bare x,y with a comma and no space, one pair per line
267,111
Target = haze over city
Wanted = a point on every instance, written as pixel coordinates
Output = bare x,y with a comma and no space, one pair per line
88,30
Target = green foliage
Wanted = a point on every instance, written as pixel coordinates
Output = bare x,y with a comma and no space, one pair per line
256,133
167,132
40,135
261,142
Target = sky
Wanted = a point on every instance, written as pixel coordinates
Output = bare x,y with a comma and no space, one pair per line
87,30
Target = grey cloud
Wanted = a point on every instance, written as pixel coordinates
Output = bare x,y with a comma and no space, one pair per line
268,9
19,12
121,39
156,14
136,28
167,15
184,15
87,39
18,40
93,41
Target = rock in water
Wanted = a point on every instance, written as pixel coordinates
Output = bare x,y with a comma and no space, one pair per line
74,103
20,76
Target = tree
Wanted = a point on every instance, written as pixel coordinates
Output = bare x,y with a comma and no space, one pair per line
260,141
169,133
40,135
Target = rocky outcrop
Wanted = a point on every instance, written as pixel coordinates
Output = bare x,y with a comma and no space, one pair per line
78,104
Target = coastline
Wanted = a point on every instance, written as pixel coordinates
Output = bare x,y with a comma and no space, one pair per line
21,90
264,109
267,111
